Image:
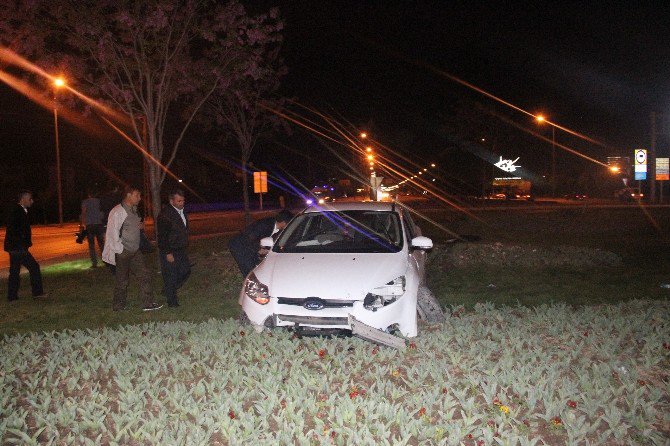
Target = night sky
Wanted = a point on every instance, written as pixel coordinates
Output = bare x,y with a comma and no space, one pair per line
599,71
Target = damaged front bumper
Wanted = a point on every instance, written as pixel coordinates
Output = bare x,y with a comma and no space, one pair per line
331,325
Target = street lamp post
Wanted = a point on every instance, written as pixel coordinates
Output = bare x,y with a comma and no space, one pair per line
541,119
58,82
553,161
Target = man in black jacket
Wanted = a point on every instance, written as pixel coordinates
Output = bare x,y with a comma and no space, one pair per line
17,241
245,247
172,243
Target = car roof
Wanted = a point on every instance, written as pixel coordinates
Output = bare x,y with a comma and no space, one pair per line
353,206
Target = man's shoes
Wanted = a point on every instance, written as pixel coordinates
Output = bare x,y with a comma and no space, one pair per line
120,309
152,306
92,266
41,296
173,305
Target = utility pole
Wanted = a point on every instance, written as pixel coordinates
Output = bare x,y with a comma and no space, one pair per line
652,161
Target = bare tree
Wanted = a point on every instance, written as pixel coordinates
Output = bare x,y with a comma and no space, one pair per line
244,107
157,60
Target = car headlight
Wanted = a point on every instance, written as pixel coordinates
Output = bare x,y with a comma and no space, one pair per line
256,290
385,295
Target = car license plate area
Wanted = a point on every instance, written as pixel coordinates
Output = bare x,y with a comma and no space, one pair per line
310,320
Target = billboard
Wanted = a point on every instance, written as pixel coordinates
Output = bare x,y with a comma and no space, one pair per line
662,171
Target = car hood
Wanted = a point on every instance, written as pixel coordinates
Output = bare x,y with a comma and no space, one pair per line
329,276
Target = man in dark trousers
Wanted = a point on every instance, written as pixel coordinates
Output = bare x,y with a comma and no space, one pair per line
172,243
17,241
91,219
122,249
245,247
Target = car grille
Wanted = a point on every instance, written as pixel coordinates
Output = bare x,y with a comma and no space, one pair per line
327,303
311,320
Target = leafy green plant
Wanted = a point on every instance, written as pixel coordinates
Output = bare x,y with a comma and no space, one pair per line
515,380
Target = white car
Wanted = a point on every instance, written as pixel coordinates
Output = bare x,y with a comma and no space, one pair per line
331,262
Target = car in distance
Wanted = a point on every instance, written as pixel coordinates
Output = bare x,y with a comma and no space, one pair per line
575,196
360,259
319,195
629,194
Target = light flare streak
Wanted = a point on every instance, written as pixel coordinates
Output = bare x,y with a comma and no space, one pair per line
549,140
41,99
12,58
352,143
150,157
483,92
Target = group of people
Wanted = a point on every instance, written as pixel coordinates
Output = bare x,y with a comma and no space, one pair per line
122,243
122,248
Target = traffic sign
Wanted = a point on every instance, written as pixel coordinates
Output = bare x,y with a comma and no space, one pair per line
640,164
260,182
640,156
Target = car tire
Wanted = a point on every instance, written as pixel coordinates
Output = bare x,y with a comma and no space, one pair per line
428,308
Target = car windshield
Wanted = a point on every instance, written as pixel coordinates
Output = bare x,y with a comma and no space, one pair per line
356,231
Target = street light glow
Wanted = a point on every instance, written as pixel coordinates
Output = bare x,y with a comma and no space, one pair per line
59,82
371,157
615,169
364,135
540,118
368,149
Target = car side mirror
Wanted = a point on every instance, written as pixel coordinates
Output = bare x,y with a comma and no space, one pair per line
268,242
422,242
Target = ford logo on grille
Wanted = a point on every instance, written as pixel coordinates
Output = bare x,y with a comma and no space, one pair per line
313,303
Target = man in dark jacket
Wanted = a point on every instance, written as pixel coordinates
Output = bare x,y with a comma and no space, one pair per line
17,241
172,243
245,247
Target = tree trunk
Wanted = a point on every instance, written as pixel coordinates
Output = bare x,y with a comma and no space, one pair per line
245,194
155,184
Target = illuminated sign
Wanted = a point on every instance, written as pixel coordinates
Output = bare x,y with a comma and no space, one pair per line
507,165
640,164
260,182
662,169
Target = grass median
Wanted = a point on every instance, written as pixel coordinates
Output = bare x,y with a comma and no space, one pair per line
80,297
505,267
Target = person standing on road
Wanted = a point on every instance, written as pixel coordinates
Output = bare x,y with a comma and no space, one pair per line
246,249
18,239
172,243
91,219
122,249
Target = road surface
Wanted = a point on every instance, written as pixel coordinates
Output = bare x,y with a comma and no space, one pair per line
54,243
